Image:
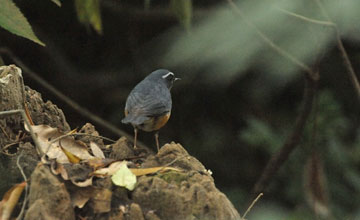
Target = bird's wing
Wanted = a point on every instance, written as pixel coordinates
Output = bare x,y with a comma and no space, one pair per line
149,103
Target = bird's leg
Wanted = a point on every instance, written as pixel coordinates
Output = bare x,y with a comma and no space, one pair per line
157,140
135,137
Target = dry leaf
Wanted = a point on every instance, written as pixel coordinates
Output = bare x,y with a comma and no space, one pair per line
58,168
145,171
109,171
46,133
97,163
71,157
85,183
97,152
10,200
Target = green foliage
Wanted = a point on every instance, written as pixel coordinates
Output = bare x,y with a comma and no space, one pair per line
14,21
88,12
183,11
261,134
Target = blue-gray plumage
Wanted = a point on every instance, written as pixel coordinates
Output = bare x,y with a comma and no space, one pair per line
148,105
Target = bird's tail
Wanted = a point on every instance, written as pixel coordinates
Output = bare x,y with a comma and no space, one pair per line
134,120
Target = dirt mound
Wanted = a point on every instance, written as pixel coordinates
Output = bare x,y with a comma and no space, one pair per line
188,194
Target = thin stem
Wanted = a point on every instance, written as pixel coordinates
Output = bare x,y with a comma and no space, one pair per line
27,123
20,216
301,17
252,205
350,70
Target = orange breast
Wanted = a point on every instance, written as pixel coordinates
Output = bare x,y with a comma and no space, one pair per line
161,121
155,123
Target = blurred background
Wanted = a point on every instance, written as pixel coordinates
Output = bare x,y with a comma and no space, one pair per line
238,98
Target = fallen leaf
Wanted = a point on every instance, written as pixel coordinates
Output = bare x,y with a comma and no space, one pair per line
97,152
10,200
58,168
109,171
124,177
53,150
97,163
71,157
145,171
85,183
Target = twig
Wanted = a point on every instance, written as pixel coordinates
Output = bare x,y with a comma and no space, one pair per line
252,205
81,110
314,21
171,163
20,216
6,147
95,136
3,130
293,139
275,47
76,134
350,70
27,123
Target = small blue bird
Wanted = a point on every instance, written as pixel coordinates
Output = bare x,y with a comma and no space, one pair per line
148,106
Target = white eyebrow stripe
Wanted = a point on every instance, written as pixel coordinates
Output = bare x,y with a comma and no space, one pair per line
169,73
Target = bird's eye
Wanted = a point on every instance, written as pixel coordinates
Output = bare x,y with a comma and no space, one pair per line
169,76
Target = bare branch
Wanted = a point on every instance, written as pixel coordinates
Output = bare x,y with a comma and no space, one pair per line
349,67
275,47
293,139
314,21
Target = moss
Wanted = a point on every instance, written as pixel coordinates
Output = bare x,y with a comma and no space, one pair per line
173,176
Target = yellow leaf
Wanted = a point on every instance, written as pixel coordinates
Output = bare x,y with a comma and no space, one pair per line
145,171
10,200
71,157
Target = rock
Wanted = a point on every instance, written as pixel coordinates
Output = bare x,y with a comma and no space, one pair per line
177,155
121,149
45,112
135,212
90,129
48,197
189,195
150,215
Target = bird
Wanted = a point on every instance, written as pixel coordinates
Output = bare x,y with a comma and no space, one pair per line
148,106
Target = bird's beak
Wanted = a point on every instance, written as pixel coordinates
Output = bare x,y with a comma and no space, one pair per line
176,79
